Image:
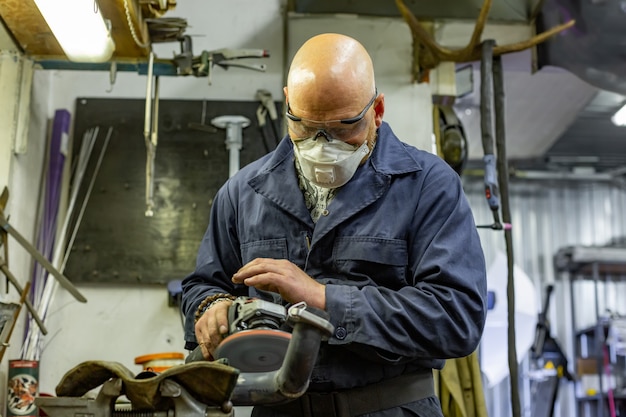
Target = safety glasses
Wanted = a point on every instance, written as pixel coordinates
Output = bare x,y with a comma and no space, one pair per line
343,129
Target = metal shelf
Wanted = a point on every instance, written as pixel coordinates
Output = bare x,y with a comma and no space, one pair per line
581,260
597,264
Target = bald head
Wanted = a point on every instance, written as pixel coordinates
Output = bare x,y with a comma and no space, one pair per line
331,77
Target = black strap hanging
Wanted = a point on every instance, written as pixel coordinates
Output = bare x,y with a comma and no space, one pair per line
492,104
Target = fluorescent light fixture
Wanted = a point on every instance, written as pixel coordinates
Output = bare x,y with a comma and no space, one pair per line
79,28
619,118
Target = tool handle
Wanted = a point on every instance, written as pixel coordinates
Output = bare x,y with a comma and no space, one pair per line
255,67
491,183
229,53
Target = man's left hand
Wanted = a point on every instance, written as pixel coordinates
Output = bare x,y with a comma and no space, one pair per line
283,277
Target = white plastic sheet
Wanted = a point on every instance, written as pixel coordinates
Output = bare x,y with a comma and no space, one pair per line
494,344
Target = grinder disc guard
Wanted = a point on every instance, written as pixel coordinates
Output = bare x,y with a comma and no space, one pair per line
256,350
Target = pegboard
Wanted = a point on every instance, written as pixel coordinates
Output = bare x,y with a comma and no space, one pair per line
115,242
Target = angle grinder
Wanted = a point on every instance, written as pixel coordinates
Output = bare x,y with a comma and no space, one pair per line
255,342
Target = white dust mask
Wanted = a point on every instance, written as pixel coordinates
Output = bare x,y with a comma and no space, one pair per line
328,163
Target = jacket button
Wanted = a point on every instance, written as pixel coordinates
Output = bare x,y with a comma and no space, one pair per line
341,333
325,212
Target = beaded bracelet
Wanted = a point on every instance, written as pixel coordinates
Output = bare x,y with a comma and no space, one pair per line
206,303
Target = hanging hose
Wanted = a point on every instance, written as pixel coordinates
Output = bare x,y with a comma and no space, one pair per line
503,181
486,126
496,180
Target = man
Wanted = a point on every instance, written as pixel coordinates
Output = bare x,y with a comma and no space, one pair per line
344,216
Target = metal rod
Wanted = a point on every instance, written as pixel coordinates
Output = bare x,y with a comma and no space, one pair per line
32,338
65,283
86,199
18,287
86,149
83,162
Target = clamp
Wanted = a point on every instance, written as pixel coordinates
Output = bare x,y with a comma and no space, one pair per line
104,405
202,65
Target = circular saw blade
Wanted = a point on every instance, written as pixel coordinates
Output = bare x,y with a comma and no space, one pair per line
257,350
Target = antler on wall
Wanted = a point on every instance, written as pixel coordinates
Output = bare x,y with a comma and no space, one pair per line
427,54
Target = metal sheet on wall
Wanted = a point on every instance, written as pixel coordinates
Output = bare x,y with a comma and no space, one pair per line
116,242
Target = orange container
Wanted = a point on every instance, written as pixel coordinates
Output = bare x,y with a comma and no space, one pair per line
160,362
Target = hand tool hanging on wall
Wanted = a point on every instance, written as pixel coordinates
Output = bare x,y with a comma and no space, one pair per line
150,133
450,136
266,108
492,104
202,65
266,100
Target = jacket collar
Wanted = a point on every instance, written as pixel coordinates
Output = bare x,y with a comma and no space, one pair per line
277,180
391,156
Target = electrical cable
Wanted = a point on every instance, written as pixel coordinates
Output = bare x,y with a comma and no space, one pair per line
492,103
503,182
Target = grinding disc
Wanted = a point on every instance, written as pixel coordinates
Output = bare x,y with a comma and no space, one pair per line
257,350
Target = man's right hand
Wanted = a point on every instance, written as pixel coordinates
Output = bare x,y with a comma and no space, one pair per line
212,327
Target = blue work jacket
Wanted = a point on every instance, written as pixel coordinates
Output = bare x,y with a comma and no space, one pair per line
397,249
